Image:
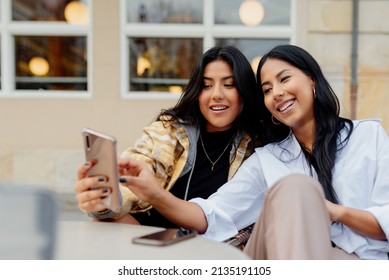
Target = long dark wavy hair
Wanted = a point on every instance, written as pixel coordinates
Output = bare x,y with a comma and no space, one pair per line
187,110
326,111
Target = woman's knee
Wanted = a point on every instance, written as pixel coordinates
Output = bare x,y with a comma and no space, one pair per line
299,185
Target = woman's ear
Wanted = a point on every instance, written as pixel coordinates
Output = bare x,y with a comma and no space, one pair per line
313,88
312,80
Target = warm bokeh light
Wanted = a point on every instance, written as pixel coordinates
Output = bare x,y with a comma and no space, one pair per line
175,89
39,66
76,13
251,12
141,65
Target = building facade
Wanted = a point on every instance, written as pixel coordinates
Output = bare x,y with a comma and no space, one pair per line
121,65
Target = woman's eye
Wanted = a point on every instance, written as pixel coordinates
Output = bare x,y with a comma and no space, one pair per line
266,90
229,85
206,86
284,79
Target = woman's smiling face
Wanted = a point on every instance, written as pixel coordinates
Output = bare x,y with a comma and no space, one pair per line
288,93
219,100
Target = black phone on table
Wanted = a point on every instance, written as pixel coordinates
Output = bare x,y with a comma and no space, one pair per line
165,237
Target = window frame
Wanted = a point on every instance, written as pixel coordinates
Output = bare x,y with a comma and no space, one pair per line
208,31
10,28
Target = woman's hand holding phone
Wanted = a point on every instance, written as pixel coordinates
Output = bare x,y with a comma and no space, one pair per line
97,186
90,191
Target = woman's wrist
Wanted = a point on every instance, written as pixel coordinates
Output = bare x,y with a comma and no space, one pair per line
103,214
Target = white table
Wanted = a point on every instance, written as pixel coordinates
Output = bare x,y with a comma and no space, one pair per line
87,240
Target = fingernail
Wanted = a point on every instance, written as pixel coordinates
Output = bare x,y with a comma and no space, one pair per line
101,179
122,180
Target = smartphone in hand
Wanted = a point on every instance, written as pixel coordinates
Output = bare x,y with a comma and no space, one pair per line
165,237
100,150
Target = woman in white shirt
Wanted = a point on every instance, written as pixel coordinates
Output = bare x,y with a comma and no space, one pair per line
318,190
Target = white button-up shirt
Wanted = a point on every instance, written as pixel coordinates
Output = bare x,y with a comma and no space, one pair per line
360,179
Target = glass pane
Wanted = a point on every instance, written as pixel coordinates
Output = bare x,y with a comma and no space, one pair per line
165,11
253,12
74,12
50,63
162,64
252,48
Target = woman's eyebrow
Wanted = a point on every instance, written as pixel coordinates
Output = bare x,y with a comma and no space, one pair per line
277,76
223,78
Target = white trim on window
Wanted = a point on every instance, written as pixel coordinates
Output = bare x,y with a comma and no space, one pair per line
207,30
11,28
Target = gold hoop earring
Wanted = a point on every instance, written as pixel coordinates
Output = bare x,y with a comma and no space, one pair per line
272,120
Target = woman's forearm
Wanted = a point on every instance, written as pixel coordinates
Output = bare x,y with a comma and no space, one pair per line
183,213
140,180
360,221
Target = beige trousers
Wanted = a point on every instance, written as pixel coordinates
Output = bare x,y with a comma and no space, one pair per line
294,224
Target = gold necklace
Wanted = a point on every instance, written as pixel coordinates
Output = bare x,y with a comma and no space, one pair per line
206,154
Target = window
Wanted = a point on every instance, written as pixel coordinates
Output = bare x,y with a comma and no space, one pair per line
161,59
44,46
162,39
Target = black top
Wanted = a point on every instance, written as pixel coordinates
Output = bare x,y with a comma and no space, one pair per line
204,181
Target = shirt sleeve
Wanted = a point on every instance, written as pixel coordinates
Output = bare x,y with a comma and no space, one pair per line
380,191
237,203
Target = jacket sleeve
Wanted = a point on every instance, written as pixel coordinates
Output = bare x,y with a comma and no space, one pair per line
148,149
380,192
162,151
142,150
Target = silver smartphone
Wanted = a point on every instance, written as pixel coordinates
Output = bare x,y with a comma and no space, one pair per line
165,237
100,150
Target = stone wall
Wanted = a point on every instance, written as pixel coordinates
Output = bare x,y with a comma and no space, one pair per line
329,39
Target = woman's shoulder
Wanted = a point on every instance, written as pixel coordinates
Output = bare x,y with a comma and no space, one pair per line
163,124
366,129
170,128
370,121
278,145
365,125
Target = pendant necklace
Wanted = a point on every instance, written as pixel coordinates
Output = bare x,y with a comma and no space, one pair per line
206,154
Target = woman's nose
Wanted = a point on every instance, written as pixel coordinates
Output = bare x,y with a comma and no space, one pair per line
279,93
217,93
